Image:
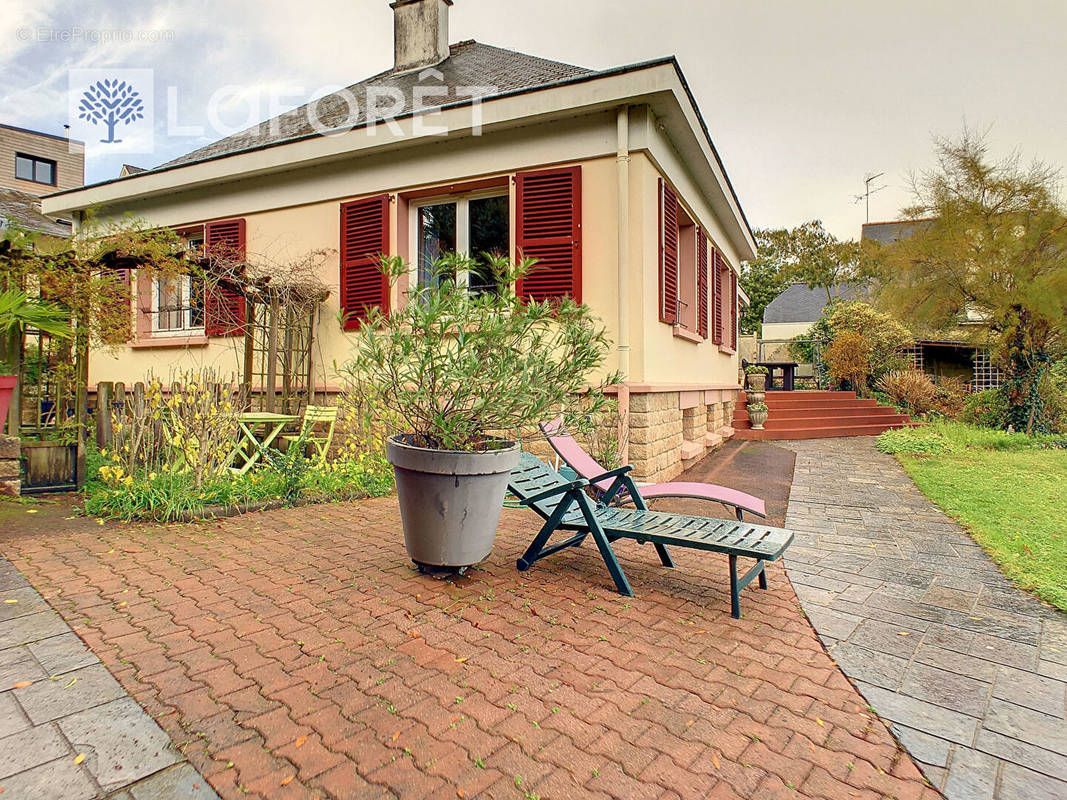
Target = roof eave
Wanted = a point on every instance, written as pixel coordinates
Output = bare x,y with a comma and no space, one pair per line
147,184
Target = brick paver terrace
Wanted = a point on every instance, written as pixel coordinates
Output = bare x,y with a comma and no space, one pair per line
297,654
971,671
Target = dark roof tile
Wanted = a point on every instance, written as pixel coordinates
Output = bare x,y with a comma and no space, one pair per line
24,210
471,70
798,303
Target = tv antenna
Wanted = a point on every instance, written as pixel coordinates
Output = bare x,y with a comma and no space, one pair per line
868,191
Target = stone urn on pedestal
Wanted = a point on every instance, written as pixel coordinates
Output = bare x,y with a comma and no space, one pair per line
757,415
756,377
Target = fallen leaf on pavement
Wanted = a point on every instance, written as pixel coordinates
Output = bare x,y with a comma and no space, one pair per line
79,758
300,741
22,684
286,780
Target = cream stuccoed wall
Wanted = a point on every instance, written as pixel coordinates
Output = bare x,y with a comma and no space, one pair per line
784,330
288,214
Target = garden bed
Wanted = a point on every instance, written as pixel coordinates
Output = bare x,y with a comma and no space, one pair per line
1005,488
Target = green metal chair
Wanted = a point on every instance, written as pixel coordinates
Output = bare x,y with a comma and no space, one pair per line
317,415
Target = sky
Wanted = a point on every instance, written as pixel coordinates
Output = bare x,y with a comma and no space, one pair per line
803,98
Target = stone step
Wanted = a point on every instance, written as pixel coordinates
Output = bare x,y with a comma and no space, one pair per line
804,413
822,432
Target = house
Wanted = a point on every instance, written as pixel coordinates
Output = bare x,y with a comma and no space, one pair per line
37,163
608,178
951,355
792,313
32,164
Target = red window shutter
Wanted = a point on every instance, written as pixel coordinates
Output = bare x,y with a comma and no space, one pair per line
716,299
364,241
702,283
549,221
733,309
224,306
668,254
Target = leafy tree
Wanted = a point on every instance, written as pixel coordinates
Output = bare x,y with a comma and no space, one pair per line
992,252
807,254
884,338
762,279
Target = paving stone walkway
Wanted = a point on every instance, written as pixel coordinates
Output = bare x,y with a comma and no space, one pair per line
971,671
297,654
68,730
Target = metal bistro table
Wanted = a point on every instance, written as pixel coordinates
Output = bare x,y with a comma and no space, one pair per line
251,445
789,371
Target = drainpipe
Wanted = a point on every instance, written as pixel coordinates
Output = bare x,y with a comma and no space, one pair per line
622,168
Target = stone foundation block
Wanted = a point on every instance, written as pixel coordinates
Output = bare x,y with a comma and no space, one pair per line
9,448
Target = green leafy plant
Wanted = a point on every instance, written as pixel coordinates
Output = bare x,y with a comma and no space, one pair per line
756,369
19,311
987,409
456,368
761,406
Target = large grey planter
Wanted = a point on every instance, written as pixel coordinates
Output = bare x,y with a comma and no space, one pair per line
450,501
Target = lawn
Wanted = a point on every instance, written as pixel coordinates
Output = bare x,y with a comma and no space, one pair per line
1006,489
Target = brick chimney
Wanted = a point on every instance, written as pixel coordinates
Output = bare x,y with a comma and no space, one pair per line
420,33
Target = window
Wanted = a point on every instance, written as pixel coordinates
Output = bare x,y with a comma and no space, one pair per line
178,302
475,225
32,168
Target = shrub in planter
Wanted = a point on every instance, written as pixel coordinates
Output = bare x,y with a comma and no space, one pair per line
757,415
909,389
462,371
757,378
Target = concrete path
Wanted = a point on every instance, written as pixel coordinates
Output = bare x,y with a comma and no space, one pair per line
971,671
68,730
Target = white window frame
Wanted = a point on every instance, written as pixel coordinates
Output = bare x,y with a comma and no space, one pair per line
463,226
185,291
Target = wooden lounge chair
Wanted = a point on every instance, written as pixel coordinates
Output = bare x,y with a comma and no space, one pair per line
564,505
589,468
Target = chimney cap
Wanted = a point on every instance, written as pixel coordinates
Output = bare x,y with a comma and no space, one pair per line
398,3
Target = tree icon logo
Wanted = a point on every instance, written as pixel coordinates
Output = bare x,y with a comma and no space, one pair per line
111,101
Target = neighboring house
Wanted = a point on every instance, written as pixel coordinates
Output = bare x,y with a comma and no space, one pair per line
952,356
130,169
792,313
38,163
609,178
